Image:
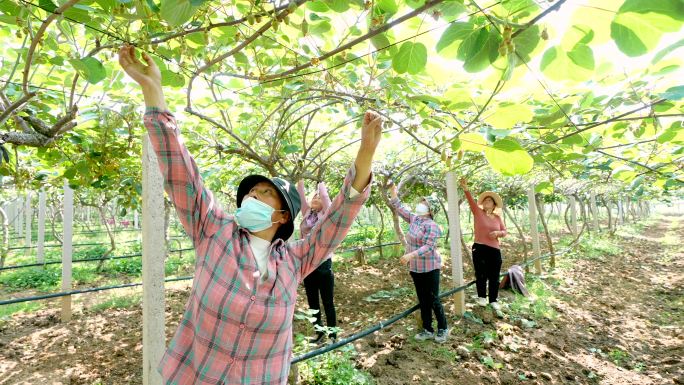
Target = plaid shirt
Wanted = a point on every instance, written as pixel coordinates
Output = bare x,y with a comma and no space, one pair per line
237,328
422,238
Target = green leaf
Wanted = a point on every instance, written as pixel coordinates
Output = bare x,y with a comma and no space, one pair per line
411,58
666,51
318,6
544,188
455,144
415,3
319,28
526,42
507,116
472,142
673,93
637,33
479,49
673,8
583,56
172,79
47,5
509,158
290,148
389,6
90,69
339,5
153,6
452,36
177,12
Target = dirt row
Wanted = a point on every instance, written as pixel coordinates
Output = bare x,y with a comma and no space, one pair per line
611,319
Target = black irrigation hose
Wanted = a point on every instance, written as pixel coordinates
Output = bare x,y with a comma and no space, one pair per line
404,314
85,244
304,356
85,260
372,329
84,232
81,291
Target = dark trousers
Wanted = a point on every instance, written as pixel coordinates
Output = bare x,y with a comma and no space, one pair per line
487,262
427,290
322,281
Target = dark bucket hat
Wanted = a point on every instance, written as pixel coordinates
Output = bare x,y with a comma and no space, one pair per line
288,194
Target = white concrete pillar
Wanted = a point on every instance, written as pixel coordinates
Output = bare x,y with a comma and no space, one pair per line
135,220
154,252
28,211
454,215
534,231
40,252
573,215
67,248
20,217
594,210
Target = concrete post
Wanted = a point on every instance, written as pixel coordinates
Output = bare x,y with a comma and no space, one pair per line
28,211
20,217
40,252
154,252
67,248
534,231
455,240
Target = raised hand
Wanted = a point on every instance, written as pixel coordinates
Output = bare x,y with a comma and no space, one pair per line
371,131
393,191
147,75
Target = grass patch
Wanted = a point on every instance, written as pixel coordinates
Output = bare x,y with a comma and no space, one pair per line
333,368
118,302
23,307
539,307
44,279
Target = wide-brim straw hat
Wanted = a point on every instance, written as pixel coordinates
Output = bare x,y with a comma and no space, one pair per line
493,195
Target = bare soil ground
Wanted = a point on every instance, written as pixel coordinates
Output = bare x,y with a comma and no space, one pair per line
608,319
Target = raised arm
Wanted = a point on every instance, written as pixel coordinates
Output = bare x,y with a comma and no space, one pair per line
195,204
302,198
323,195
323,239
471,202
398,207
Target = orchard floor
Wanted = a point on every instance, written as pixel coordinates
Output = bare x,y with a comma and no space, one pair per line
610,318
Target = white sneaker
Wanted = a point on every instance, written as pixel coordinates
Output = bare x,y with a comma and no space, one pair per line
482,301
495,306
424,335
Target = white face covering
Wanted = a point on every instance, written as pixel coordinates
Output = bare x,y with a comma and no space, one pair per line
422,209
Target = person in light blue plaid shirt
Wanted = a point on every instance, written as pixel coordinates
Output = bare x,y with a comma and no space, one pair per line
424,262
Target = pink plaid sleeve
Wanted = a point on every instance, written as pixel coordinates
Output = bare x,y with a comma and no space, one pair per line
315,248
325,197
194,203
401,210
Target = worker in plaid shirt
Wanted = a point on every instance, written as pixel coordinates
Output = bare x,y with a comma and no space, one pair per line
237,325
424,262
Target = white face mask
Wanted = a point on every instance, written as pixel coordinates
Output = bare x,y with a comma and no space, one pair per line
422,209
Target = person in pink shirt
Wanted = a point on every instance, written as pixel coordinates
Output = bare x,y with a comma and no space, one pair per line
237,325
322,280
486,248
